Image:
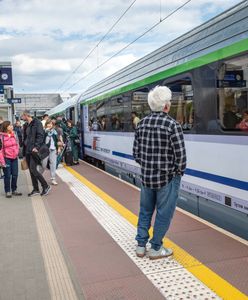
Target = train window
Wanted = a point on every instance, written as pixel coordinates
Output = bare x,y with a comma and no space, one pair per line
233,94
115,115
97,115
101,120
110,114
182,108
140,107
92,116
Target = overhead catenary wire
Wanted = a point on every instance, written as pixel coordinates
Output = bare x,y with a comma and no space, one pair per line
96,46
135,40
160,9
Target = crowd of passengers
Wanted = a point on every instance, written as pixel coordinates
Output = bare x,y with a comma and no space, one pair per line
232,120
26,139
113,123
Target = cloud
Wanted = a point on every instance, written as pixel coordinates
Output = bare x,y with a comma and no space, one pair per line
28,65
46,40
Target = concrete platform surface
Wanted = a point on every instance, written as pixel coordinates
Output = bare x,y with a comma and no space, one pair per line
76,244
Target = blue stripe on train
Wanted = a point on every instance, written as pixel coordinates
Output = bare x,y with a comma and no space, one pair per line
243,185
87,146
120,154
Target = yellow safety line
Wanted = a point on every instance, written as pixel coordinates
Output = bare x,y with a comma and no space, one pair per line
216,283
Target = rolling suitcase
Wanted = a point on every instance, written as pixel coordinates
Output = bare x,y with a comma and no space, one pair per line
68,158
68,153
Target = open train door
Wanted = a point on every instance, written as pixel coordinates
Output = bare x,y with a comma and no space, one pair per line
83,122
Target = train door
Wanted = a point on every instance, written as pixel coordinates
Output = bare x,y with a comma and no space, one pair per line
72,114
83,123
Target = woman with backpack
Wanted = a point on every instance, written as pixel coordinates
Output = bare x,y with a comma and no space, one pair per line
9,150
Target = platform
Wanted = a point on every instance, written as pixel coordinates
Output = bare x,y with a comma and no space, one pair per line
78,243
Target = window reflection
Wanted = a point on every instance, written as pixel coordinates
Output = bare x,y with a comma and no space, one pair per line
182,109
233,96
140,107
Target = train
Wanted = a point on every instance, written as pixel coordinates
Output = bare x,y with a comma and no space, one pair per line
207,72
68,109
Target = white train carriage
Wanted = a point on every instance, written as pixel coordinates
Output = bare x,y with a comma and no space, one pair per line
67,109
207,71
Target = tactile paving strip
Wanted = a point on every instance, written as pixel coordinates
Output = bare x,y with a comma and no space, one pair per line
172,280
59,279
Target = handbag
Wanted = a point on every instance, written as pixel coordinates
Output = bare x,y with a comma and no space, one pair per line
24,165
43,152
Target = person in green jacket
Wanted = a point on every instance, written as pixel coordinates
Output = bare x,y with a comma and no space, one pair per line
73,136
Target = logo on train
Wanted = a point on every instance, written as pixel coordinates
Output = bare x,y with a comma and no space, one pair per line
95,142
96,145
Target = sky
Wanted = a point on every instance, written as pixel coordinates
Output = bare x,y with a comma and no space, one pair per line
46,40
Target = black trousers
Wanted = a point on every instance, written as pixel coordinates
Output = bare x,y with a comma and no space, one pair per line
36,176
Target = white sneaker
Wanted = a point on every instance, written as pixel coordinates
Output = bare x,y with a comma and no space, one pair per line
161,253
140,251
54,182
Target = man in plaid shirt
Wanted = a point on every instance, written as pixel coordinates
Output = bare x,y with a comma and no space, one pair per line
159,149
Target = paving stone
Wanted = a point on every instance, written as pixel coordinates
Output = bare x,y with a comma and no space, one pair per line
22,272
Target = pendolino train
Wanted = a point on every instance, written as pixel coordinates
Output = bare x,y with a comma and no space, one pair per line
207,71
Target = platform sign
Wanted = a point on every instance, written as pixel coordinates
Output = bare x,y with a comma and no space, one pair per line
5,76
1,89
15,100
231,83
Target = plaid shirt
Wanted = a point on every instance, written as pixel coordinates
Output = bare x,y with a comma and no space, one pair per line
159,149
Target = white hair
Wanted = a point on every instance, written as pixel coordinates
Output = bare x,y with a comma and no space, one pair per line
159,97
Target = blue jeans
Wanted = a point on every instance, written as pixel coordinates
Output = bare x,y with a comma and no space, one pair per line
164,200
10,174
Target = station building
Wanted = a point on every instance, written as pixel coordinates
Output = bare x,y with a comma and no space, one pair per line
6,91
37,103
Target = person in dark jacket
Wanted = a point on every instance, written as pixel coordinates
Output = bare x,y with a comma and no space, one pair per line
34,140
19,132
61,124
231,117
24,134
